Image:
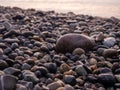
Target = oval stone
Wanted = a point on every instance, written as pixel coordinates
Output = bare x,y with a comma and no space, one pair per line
69,42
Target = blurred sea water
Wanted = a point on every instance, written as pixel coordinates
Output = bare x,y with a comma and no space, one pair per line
103,8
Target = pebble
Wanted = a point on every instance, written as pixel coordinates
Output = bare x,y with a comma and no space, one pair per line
7,25
29,76
11,33
7,51
108,80
1,51
78,51
102,70
55,85
70,79
109,52
117,71
64,68
110,41
26,66
117,78
68,87
91,79
28,85
42,70
3,64
20,87
18,16
68,42
11,40
8,82
80,70
46,50
12,71
92,61
52,67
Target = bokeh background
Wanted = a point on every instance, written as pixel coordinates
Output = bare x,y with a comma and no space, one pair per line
103,8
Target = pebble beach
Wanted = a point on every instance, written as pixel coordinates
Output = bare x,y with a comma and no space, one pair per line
47,50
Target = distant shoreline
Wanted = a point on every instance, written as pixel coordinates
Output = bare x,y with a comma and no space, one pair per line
97,8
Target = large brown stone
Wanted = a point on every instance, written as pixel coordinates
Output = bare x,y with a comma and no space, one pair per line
69,42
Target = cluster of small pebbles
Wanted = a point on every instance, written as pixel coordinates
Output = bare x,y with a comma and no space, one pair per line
45,50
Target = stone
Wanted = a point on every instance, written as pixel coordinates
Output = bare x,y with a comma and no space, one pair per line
29,76
2,73
27,33
37,87
78,51
60,88
80,70
44,48
43,70
7,25
27,84
117,78
55,85
1,51
52,67
68,87
3,64
31,62
69,42
100,37
70,79
12,71
92,61
12,40
102,70
110,41
64,68
107,79
117,71
7,51
18,16
14,45
26,66
109,52
20,87
8,82
91,79
11,33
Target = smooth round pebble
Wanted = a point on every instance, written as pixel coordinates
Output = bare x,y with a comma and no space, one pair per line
68,42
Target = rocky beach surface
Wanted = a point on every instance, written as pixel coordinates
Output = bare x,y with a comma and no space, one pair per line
46,50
